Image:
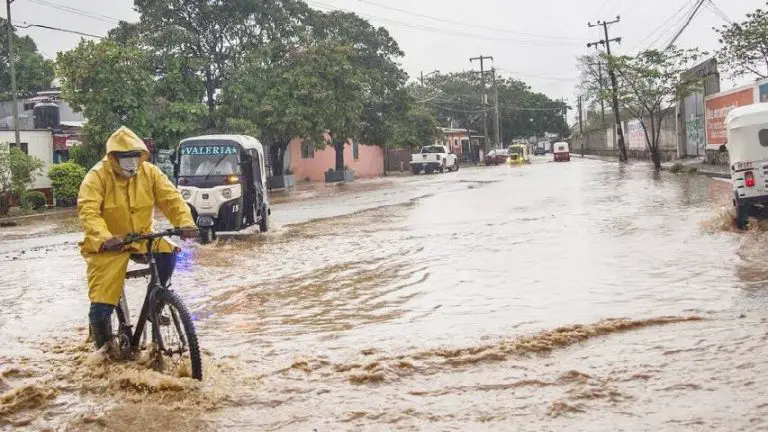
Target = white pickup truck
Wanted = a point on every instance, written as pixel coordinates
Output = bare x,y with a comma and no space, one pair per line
434,158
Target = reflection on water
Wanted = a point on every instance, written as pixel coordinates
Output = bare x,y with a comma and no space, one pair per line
464,301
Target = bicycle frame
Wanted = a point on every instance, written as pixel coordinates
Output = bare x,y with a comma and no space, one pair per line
147,309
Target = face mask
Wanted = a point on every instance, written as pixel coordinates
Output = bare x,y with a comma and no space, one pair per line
128,166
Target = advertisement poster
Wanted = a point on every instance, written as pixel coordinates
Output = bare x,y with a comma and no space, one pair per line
717,108
635,135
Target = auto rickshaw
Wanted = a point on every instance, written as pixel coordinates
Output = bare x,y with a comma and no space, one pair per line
747,146
517,154
223,179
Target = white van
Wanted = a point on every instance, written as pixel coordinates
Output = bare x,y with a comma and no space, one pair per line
747,145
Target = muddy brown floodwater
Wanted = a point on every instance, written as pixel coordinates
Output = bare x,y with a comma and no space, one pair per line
575,296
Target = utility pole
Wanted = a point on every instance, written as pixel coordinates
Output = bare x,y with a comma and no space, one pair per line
13,75
496,109
612,73
484,96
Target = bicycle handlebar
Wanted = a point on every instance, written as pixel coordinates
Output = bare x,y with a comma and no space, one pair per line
133,237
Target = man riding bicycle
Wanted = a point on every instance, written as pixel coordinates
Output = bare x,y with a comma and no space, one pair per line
118,197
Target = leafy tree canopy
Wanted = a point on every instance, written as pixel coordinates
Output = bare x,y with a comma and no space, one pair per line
745,45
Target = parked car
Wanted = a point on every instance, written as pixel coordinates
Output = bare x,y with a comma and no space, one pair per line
434,158
496,157
539,151
561,152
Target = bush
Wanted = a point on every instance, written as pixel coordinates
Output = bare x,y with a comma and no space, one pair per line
692,170
66,178
676,168
34,200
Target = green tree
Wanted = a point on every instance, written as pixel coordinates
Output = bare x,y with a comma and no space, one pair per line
215,35
111,84
315,92
375,54
455,99
745,45
33,71
418,127
24,170
650,84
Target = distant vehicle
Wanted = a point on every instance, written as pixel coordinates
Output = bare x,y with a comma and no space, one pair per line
561,152
545,145
496,157
539,151
517,154
747,146
434,158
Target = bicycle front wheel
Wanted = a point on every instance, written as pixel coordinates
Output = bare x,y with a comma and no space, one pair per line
179,344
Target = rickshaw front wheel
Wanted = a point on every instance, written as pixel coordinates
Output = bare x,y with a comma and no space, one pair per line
207,236
742,215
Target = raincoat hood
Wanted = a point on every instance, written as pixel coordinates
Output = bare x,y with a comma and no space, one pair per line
125,140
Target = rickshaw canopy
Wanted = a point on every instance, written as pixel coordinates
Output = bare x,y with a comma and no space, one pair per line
748,133
247,143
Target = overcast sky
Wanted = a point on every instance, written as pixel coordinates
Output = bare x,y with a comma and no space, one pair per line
535,40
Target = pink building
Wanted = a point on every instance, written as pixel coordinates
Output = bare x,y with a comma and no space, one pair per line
307,162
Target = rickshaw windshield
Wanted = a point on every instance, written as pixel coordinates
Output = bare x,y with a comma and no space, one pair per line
202,158
515,151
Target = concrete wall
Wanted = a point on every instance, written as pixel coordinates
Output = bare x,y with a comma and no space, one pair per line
600,142
370,161
40,145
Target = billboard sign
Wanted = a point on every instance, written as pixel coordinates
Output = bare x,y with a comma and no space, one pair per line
717,107
635,135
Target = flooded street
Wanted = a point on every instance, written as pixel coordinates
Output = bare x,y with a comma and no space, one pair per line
575,296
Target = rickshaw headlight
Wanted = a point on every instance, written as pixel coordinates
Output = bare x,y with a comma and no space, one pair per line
186,194
226,193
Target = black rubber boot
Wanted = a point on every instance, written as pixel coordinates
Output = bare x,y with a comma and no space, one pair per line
102,331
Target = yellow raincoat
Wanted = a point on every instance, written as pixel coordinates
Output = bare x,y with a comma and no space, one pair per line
110,205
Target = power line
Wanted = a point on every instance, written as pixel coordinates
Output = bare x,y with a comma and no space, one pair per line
531,43
664,24
531,75
677,21
483,27
28,25
76,11
687,23
710,4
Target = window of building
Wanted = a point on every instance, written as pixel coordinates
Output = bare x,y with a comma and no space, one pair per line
455,142
24,147
307,149
355,151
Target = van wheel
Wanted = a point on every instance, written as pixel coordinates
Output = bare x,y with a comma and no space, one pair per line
742,215
442,168
264,222
207,236
415,170
455,166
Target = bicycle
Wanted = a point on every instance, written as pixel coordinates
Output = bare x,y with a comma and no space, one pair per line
158,298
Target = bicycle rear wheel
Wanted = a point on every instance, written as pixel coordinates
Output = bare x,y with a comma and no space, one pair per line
178,337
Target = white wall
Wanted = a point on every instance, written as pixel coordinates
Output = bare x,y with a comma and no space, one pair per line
40,144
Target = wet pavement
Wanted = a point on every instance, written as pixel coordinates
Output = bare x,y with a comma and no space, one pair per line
571,296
